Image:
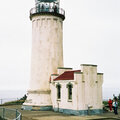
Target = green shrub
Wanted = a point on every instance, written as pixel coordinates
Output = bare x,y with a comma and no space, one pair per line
105,103
24,97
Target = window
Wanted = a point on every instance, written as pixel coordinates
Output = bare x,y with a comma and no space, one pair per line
58,86
69,86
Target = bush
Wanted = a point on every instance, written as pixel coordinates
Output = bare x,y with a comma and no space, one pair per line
105,103
24,97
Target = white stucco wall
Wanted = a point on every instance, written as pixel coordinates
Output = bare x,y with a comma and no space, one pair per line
47,50
92,86
64,103
47,56
61,70
99,91
89,76
87,90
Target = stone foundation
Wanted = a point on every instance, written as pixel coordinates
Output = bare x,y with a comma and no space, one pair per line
79,112
37,108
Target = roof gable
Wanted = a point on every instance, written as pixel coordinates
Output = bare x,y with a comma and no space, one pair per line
67,75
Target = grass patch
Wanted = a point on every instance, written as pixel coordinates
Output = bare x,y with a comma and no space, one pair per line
17,102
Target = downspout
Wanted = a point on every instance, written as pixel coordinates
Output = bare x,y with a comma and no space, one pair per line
77,96
58,106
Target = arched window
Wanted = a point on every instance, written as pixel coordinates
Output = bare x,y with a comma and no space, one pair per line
58,86
69,86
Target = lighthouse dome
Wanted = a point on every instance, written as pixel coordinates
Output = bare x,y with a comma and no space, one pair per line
37,1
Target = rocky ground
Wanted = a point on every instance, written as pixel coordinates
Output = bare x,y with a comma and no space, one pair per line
50,115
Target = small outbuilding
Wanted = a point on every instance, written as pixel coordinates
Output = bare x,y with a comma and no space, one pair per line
77,92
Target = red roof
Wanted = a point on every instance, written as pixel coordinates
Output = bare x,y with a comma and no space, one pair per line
68,75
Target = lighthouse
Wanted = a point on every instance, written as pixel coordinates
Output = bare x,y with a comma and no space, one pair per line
47,51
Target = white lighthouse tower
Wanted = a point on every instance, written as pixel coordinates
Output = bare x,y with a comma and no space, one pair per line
47,51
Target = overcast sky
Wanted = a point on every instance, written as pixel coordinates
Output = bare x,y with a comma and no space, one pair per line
91,36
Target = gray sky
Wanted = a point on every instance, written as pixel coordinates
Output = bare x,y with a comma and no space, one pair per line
91,36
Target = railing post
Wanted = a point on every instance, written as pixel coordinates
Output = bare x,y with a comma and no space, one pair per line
1,101
21,117
3,113
16,112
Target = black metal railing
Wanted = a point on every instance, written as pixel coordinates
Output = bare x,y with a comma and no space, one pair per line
48,9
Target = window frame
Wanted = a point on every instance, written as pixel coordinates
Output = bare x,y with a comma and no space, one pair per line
70,92
58,86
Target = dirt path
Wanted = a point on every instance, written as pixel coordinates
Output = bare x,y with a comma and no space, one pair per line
50,115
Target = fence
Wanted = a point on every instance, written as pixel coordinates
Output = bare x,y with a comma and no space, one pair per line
10,114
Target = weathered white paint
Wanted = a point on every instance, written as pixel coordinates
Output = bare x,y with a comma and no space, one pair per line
61,70
86,92
47,56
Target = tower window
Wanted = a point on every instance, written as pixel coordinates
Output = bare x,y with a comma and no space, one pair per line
69,86
58,86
